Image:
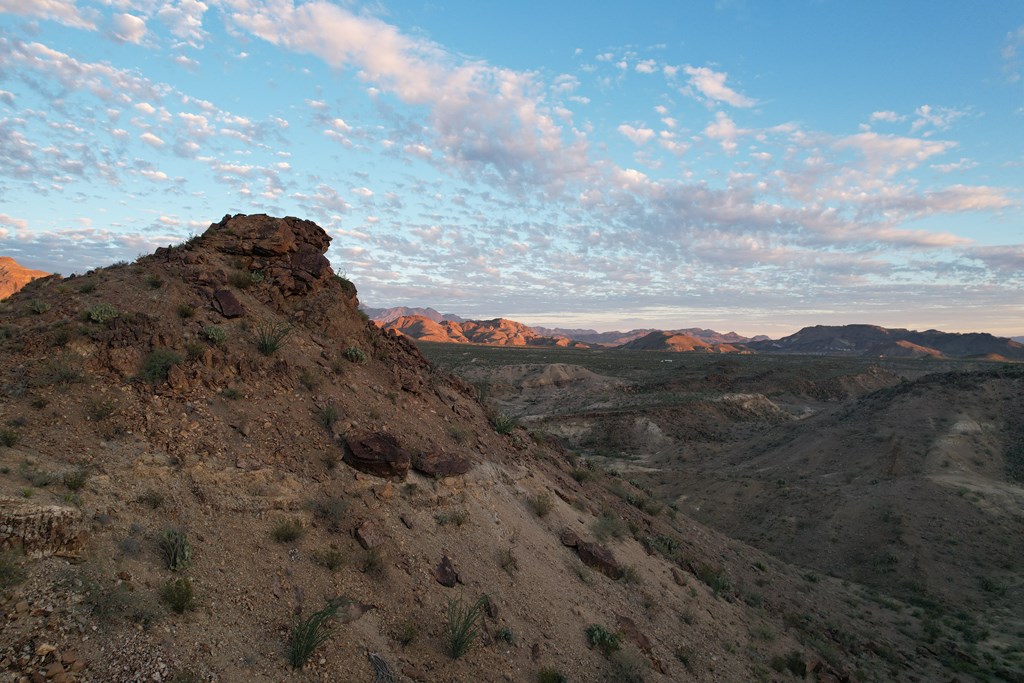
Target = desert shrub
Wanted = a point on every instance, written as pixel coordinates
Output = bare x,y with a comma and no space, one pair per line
186,311
330,559
76,480
269,337
286,531
355,354
152,499
505,634
608,526
540,503
231,393
551,675
38,306
154,281
103,314
99,409
456,517
175,549
327,416
245,279
793,662
330,510
215,334
9,437
63,371
375,566
508,561
503,424
11,572
603,639
177,594
715,578
308,634
87,287
462,627
628,666
347,287
407,632
194,350
157,364
35,476
309,379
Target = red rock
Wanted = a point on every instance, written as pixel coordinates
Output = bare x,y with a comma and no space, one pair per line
569,538
632,633
369,535
378,454
440,464
600,558
227,304
445,573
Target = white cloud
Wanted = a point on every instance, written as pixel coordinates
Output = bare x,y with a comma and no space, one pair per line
13,222
184,20
151,140
128,28
711,84
889,154
646,66
362,191
887,116
7,97
938,117
724,129
638,136
62,11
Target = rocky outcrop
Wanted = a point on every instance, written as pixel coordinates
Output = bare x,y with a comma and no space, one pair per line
378,454
40,530
440,464
14,276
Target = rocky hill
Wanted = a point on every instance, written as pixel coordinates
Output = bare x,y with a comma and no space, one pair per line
14,276
614,338
387,315
680,342
210,462
497,332
871,340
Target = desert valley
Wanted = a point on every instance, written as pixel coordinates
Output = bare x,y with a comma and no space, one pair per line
213,459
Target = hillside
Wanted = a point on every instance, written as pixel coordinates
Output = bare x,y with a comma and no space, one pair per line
497,332
680,342
871,340
14,276
387,315
588,336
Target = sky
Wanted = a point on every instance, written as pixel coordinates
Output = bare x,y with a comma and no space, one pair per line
743,166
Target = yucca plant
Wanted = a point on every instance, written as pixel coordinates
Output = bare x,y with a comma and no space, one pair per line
462,627
309,634
269,337
175,548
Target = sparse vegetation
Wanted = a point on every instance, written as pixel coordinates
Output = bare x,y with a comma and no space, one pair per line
287,531
462,627
11,572
186,311
38,306
455,517
98,409
375,565
245,279
157,365
355,354
551,675
607,526
330,559
215,334
9,437
503,424
309,634
152,499
628,666
540,503
102,314
76,479
175,549
177,594
407,633
604,640
269,337
327,415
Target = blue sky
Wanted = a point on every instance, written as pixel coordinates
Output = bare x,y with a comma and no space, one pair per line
746,166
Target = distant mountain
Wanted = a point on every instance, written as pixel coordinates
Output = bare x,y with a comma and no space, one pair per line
1018,339
617,338
871,340
14,276
496,332
680,342
386,315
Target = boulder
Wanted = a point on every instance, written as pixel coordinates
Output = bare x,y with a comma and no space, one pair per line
440,464
445,573
41,530
569,538
600,558
227,304
369,535
378,454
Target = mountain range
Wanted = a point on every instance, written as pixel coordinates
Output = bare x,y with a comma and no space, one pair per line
14,276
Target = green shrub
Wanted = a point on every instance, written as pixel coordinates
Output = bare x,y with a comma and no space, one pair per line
152,499
154,281
347,287
269,337
99,409
551,675
215,334
355,354
540,503
462,628
76,480
186,311
9,437
503,424
608,526
175,549
793,662
330,510
245,279
327,416
157,364
407,633
375,565
286,531
103,314
505,634
330,559
603,639
178,595
38,306
309,634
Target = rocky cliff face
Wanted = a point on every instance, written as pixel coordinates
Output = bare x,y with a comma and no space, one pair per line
14,276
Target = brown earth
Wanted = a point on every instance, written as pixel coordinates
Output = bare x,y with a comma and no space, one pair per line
497,332
212,396
14,276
